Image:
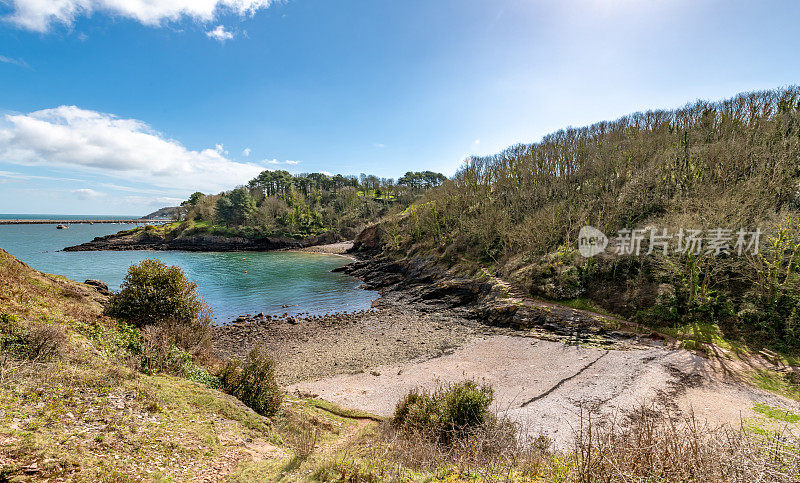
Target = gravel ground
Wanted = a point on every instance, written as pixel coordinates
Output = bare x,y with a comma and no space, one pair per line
317,347
369,360
340,248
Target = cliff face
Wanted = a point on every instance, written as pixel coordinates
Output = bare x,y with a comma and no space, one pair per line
156,240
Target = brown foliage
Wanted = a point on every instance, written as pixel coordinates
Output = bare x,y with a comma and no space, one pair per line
649,445
160,341
728,161
45,342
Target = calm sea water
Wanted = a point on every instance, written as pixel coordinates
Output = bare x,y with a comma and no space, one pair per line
302,281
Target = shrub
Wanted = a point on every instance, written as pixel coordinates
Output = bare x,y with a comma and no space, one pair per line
172,348
35,342
303,435
448,413
152,292
45,342
175,324
253,382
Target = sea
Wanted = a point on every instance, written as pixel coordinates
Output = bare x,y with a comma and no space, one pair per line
231,283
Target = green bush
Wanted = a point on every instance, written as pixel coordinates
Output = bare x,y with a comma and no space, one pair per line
252,381
175,325
152,292
448,413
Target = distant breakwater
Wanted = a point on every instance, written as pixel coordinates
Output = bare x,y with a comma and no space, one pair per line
79,222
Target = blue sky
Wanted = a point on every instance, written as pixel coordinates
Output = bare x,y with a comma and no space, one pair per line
120,107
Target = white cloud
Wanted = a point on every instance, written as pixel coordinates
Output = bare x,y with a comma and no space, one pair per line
39,15
87,194
220,34
11,60
477,141
26,177
132,189
167,200
288,161
246,152
148,202
129,149
379,145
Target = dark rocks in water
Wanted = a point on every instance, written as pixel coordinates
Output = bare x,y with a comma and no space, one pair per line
292,320
98,285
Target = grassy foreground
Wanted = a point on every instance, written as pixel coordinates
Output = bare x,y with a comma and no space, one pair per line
73,406
76,406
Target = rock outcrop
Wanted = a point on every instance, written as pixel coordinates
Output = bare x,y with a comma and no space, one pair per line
429,287
153,240
100,286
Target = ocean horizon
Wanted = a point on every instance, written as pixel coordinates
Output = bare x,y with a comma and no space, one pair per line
51,216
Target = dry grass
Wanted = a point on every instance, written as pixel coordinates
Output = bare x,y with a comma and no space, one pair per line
45,342
167,347
648,445
75,405
656,446
303,435
39,297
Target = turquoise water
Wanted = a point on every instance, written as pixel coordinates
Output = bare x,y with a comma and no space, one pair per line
302,281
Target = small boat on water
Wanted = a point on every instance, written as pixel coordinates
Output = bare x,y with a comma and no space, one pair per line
62,227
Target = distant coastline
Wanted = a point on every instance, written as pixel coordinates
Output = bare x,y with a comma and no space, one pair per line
76,221
165,239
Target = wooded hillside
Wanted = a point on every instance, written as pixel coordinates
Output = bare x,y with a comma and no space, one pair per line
730,164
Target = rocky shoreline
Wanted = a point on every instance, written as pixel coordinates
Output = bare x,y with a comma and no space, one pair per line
424,312
152,240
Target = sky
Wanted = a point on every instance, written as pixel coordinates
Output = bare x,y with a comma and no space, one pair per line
120,107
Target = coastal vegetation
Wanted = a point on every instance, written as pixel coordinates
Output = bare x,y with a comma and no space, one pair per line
94,387
277,203
83,398
89,397
729,165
